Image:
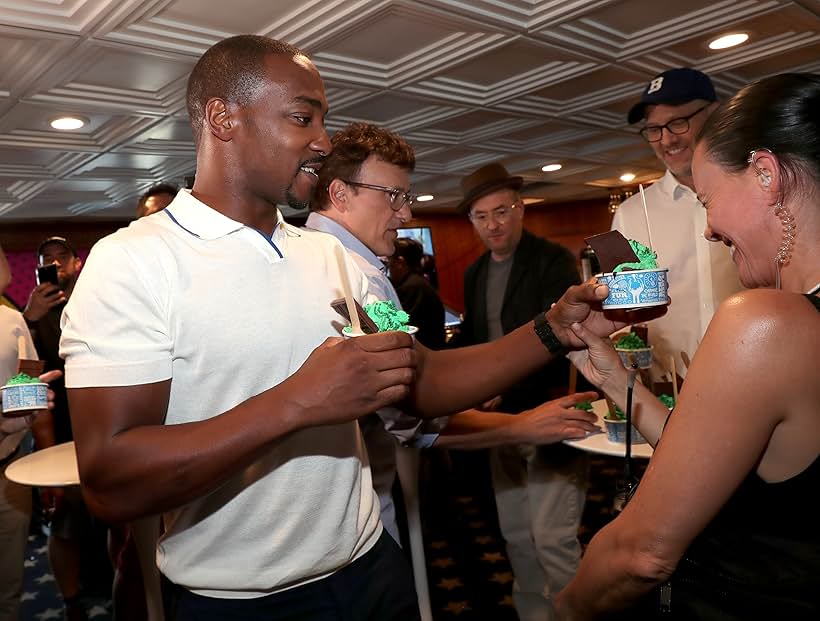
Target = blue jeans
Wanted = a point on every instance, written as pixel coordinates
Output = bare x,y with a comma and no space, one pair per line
377,586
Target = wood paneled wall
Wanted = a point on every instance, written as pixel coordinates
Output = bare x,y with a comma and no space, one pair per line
456,243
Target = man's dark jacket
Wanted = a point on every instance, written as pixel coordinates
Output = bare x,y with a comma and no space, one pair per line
540,273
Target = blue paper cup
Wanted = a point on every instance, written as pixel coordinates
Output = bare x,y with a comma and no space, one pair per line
635,289
616,432
643,357
19,399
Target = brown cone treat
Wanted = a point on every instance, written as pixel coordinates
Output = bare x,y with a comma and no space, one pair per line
642,332
612,249
368,326
32,368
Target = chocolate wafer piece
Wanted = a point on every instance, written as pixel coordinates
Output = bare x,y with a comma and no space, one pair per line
368,326
612,249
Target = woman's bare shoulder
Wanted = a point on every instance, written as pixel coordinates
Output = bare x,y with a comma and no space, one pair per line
764,324
776,309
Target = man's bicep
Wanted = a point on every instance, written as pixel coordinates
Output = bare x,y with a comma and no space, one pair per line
99,414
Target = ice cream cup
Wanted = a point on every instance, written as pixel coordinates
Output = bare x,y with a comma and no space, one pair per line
616,432
643,356
20,399
636,288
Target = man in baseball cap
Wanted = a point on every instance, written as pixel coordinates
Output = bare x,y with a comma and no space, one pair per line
674,106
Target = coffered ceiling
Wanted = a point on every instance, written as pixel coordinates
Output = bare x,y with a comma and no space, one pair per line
528,82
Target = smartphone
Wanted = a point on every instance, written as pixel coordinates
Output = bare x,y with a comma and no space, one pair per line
47,273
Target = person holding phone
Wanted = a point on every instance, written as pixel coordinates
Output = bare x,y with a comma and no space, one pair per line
73,531
15,499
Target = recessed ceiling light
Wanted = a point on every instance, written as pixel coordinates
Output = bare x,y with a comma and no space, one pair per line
627,177
551,167
729,40
423,198
68,122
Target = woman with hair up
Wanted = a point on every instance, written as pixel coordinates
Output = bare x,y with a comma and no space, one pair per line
724,524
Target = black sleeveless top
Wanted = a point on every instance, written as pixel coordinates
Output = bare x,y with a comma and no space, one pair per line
758,559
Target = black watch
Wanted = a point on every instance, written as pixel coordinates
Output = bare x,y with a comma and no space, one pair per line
547,336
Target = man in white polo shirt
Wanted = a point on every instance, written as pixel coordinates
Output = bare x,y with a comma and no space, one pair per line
204,385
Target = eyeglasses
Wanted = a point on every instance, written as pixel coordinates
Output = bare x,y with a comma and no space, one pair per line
398,197
653,133
499,214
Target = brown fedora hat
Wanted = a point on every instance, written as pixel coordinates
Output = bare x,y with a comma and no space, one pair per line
483,181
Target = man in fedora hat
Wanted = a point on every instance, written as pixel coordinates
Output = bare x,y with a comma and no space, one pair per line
673,108
540,490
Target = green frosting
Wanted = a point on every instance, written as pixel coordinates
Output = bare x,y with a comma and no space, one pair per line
630,341
584,405
647,259
22,378
617,414
667,400
386,316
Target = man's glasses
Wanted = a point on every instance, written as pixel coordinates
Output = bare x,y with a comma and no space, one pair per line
499,214
398,197
653,133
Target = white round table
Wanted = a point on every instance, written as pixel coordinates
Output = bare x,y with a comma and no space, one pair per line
55,466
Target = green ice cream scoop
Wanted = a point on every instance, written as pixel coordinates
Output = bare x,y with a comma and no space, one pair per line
630,341
22,378
647,260
386,316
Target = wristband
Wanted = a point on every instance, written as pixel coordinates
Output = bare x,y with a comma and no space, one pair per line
547,336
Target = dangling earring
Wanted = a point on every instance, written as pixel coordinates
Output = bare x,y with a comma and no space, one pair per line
784,253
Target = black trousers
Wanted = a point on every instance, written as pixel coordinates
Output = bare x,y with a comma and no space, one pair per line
378,586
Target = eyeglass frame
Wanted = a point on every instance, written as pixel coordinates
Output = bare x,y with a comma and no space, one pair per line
408,198
667,126
501,218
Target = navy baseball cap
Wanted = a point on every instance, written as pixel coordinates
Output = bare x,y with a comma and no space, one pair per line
673,87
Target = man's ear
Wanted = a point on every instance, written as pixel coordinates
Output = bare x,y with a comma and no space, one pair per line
219,120
337,193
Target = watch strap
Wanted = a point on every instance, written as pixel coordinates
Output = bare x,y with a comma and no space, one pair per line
547,336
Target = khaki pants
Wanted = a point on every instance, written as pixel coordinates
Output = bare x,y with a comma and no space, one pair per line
540,494
15,513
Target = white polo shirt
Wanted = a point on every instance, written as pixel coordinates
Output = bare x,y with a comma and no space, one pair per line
226,313
701,273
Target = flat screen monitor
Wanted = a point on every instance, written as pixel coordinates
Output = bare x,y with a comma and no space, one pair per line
421,234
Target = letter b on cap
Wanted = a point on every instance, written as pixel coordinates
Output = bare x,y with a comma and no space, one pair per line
654,86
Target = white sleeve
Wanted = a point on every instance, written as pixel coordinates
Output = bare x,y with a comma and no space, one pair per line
29,352
115,328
